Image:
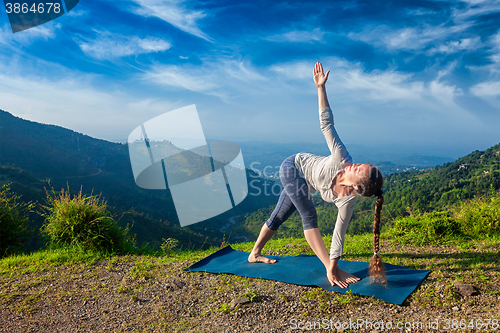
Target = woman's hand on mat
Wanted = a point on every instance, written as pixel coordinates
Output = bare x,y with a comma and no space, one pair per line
319,76
335,281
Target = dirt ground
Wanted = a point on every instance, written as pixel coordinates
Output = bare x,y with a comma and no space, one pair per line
138,294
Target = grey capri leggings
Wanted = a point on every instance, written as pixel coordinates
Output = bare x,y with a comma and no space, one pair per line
295,196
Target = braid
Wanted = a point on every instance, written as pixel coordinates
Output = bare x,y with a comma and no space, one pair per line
376,268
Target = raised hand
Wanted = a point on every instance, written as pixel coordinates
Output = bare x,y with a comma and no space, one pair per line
319,76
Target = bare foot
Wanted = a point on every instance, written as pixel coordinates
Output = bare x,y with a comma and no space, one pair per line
260,258
344,276
341,278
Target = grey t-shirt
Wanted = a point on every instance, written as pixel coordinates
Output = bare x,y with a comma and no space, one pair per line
319,173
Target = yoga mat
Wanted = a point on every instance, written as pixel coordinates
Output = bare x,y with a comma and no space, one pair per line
306,270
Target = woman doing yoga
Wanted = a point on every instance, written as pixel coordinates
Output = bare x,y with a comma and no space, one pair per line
339,181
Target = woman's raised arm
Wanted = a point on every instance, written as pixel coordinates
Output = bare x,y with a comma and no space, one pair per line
320,79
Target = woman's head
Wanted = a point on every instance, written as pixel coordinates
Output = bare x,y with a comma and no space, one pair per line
369,181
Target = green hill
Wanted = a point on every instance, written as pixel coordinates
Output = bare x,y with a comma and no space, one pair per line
31,153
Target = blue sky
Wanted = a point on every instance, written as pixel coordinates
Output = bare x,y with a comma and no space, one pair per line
418,74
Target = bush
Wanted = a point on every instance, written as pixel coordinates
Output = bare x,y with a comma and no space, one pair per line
82,222
13,219
427,228
479,217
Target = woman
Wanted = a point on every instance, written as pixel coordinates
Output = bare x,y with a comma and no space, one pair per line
339,181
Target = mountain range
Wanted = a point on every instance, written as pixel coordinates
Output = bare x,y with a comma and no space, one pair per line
35,156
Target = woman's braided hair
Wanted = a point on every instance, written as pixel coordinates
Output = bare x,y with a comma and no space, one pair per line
370,186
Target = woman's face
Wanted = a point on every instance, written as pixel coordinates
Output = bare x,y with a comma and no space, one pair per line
355,172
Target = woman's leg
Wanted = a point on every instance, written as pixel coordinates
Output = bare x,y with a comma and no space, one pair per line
284,208
264,236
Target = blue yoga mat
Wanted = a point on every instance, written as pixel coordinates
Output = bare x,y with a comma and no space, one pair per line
306,270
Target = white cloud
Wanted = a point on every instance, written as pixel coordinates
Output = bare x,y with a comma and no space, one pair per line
486,89
351,79
221,77
28,36
444,92
379,85
495,56
474,9
109,45
420,12
408,38
173,12
77,12
475,2
296,70
456,46
180,77
376,100
492,68
296,36
75,102
391,94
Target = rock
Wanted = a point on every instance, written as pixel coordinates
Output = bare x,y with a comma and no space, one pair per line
179,284
239,301
465,289
455,308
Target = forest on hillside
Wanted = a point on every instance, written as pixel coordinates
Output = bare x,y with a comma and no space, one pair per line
37,157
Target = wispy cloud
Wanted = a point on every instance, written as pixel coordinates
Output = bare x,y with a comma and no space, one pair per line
475,9
174,12
351,79
216,77
181,77
444,92
109,45
76,102
347,80
495,53
294,70
297,36
486,89
457,46
355,90
29,36
408,38
77,13
379,85
492,45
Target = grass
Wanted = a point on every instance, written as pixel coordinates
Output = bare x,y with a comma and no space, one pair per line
82,222
47,260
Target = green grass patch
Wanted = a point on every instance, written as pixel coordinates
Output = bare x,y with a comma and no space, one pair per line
82,222
44,260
